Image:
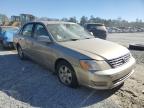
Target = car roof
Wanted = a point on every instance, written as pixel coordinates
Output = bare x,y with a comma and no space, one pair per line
53,22
97,24
8,27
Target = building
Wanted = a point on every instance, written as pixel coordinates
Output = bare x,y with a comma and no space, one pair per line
24,18
15,18
3,19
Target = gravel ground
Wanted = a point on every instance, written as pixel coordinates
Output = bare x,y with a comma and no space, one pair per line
127,38
25,84
131,95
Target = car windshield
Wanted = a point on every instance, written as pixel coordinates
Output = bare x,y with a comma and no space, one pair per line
68,32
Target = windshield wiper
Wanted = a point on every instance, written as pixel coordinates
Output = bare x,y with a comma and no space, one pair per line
88,37
74,39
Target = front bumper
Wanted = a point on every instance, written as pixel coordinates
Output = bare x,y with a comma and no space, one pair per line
107,79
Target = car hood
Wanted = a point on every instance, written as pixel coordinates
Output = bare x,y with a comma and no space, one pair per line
102,48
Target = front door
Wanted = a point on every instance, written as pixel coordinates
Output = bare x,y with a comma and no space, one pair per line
42,51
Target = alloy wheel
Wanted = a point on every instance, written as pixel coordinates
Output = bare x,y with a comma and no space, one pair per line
65,75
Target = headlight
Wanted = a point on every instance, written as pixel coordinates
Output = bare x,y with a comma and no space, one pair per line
94,65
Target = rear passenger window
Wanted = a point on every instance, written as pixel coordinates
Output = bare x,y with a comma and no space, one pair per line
39,31
27,31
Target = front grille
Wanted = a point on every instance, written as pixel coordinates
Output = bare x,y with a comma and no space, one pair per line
119,61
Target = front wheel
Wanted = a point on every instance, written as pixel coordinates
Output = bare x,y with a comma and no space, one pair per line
66,74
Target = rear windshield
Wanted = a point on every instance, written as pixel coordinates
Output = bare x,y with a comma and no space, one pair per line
95,26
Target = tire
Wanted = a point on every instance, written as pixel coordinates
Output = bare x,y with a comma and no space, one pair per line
136,47
20,53
66,74
3,46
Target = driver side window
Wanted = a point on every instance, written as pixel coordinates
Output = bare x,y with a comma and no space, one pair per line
40,31
27,31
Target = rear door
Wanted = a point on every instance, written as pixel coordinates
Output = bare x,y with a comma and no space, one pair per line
25,39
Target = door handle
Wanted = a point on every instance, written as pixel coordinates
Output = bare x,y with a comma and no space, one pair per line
21,38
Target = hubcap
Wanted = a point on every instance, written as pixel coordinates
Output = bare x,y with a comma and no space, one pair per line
65,75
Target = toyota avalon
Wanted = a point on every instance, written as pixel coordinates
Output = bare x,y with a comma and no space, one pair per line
77,57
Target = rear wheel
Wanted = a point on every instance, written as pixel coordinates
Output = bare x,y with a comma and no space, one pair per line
20,53
66,74
3,45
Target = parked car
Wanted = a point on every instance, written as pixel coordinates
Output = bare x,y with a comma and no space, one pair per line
1,34
76,56
97,29
7,36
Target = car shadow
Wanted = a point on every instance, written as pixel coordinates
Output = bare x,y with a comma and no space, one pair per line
30,83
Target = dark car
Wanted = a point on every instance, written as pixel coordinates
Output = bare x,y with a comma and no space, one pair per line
97,29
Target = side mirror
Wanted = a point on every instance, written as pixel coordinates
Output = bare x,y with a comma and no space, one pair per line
91,33
44,39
